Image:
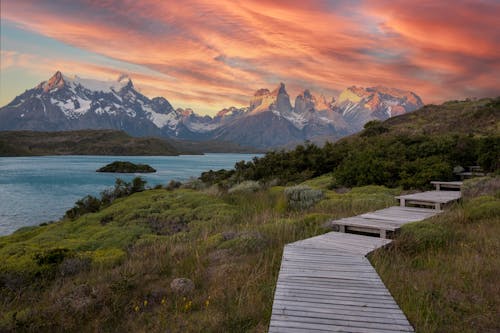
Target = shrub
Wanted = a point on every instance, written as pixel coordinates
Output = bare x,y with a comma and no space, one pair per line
245,187
138,185
51,257
88,204
373,128
483,207
173,184
302,197
245,243
91,204
481,186
194,184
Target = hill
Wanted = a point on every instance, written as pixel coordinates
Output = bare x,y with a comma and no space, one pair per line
105,142
475,117
112,265
85,142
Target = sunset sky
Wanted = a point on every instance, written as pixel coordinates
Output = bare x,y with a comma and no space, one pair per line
210,54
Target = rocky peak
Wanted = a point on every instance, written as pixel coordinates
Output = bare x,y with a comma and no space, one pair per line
161,105
55,82
129,85
261,92
281,89
308,102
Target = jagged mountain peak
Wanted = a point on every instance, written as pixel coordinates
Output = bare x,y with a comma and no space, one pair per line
307,93
281,89
55,82
308,101
276,101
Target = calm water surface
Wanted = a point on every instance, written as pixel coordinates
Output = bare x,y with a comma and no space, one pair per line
40,189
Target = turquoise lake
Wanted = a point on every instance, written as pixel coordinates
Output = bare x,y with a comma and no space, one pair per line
40,189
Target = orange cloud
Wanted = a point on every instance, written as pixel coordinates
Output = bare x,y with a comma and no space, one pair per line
214,54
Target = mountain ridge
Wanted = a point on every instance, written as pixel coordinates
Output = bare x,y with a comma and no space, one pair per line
64,103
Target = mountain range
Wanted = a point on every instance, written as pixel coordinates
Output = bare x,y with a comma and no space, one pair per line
270,120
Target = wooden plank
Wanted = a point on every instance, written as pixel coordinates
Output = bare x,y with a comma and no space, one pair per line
442,197
447,185
340,310
389,314
367,223
345,299
335,321
306,327
346,315
351,240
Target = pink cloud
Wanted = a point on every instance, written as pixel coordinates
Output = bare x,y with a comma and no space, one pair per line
218,52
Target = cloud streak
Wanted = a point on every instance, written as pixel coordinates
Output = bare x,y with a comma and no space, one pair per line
210,54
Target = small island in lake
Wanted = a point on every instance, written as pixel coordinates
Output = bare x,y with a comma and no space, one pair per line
126,167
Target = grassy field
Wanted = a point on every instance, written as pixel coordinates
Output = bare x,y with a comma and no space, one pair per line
111,270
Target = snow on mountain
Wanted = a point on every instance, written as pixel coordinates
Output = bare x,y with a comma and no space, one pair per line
70,103
360,105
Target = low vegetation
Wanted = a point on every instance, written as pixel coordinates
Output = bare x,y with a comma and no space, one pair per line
111,269
126,167
91,204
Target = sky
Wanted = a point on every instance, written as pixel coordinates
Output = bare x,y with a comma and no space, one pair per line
211,54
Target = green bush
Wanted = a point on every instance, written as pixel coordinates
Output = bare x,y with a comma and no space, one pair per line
51,257
91,204
248,186
88,204
302,197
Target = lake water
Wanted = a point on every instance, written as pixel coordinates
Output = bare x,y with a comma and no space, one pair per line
39,189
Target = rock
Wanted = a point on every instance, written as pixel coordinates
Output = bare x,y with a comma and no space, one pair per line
182,286
228,235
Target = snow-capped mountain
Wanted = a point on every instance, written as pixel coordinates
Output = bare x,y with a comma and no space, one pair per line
270,120
360,105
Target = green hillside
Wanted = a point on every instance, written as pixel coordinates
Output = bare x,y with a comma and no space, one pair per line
85,142
109,265
105,142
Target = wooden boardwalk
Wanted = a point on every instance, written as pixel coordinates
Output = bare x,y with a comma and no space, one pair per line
434,199
326,283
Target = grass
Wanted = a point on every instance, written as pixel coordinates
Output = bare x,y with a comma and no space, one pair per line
111,270
443,272
229,245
